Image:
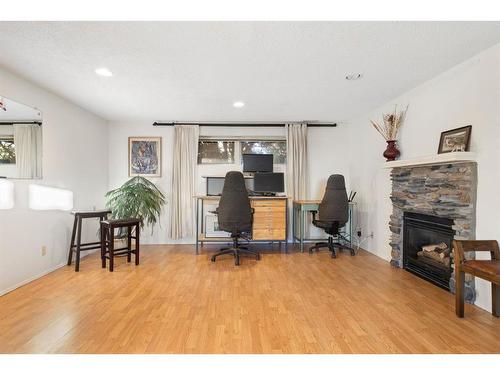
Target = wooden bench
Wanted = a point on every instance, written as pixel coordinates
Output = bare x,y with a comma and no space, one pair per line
485,269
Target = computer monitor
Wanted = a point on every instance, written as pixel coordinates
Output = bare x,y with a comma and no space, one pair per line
269,183
216,184
257,162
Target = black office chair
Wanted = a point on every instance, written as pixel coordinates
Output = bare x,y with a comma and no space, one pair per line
333,212
235,215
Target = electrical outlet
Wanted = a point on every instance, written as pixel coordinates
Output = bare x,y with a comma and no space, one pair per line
359,233
44,250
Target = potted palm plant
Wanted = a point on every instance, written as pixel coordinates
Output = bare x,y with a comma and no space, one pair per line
137,198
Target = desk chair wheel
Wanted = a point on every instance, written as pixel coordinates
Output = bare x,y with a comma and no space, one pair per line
315,247
213,258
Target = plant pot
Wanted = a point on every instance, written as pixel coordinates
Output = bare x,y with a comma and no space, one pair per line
391,152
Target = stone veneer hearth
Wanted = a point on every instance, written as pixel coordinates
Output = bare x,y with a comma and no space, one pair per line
443,190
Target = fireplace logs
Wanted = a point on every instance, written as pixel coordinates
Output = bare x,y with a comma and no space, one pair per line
437,252
426,247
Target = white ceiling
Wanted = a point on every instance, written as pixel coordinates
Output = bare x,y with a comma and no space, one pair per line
195,70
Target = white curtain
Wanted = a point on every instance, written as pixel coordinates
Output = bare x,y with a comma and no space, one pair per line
182,211
28,143
296,144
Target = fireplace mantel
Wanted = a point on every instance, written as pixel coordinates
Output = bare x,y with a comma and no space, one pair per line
450,157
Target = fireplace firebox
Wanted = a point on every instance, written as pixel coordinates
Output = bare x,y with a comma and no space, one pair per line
427,244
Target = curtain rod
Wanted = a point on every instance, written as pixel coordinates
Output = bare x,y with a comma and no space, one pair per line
20,122
249,124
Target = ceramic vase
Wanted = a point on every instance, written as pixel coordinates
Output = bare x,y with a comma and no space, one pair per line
391,152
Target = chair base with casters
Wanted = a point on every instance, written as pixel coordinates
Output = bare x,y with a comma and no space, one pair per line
331,245
331,228
236,250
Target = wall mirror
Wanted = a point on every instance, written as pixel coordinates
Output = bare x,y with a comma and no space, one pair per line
20,140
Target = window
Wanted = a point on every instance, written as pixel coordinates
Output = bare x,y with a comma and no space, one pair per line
215,152
7,150
277,148
229,150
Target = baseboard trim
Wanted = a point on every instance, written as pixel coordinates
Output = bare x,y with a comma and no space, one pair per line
33,278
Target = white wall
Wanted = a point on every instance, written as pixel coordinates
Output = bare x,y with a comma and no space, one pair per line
466,94
328,152
75,158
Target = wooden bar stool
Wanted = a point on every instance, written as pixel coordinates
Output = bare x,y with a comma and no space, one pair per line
108,250
485,269
78,246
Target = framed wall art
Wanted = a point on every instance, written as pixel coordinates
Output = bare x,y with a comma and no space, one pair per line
455,140
144,156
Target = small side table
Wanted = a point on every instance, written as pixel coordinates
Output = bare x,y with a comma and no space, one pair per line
77,233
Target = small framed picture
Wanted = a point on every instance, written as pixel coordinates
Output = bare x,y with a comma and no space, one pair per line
144,156
455,140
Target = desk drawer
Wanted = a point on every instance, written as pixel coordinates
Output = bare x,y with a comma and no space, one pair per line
269,234
268,225
269,215
268,203
269,210
269,219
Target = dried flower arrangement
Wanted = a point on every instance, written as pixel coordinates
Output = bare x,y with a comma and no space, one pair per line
392,123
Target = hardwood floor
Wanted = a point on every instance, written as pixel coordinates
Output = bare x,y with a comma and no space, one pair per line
176,302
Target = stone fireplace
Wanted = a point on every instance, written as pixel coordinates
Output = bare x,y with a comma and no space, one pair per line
424,230
444,193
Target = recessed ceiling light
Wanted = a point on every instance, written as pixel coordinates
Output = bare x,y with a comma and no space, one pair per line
238,104
354,76
104,72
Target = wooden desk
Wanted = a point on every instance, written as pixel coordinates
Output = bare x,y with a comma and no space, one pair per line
299,216
270,220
